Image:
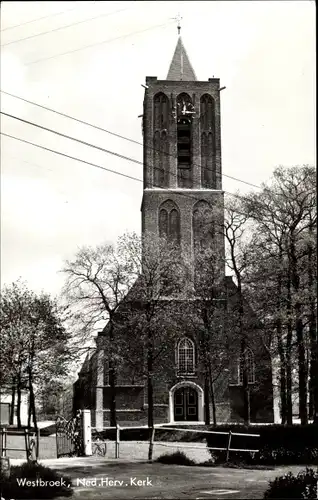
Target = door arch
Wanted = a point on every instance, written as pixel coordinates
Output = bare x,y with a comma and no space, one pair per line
186,402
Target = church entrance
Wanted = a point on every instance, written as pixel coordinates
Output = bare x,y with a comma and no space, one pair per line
186,404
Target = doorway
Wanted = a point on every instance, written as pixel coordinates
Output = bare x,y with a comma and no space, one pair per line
186,404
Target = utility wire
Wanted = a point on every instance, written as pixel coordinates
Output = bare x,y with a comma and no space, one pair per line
65,27
97,43
73,138
44,17
111,133
71,157
187,195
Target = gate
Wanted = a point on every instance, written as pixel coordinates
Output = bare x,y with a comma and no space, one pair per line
69,436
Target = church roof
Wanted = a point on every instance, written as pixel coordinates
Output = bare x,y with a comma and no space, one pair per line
180,67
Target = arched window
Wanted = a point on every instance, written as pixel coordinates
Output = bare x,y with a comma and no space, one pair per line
250,366
207,112
161,141
186,357
208,163
185,111
203,226
161,111
169,222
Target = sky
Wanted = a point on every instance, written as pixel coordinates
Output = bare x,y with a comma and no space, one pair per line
263,53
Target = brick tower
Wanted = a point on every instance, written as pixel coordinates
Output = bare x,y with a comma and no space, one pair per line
182,154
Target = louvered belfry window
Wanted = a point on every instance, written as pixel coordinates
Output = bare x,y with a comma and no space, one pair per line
185,113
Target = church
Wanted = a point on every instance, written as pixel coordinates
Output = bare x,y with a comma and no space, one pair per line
182,174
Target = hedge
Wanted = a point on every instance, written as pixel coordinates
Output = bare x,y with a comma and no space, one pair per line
277,444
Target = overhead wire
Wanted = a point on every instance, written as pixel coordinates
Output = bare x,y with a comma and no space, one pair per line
179,192
44,17
98,43
65,27
107,131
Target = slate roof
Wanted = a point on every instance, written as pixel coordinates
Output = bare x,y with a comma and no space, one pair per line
180,67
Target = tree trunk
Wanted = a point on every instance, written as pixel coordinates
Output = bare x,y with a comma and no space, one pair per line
150,392
150,384
32,409
13,389
280,344
289,382
302,368
246,391
289,340
112,377
212,396
19,403
313,337
207,417
282,369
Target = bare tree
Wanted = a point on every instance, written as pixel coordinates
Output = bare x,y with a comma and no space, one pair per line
285,213
97,282
153,304
235,228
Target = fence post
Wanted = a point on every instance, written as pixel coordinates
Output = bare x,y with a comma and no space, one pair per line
87,432
117,441
37,449
228,446
4,441
26,437
152,438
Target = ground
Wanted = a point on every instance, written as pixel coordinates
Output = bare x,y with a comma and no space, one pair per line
92,476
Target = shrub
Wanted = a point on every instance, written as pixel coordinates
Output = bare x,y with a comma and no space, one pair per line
177,458
304,485
53,484
277,444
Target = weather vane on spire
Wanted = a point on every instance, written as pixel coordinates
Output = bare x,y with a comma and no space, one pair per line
178,19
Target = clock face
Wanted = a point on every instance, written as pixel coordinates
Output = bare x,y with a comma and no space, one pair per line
185,108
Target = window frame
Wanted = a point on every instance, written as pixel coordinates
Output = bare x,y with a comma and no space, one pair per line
186,371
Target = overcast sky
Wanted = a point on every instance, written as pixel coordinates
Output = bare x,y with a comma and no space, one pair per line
263,52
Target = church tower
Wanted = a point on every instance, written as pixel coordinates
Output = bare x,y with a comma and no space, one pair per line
182,155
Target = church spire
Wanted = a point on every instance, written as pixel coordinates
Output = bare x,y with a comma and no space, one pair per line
180,67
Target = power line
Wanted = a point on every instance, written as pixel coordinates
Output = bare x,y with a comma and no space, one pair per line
65,27
70,157
187,195
44,17
73,138
95,44
113,133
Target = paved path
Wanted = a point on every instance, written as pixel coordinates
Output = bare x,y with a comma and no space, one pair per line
94,478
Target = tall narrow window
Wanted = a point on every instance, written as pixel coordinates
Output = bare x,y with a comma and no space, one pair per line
250,366
203,226
163,223
161,140
185,357
185,112
174,226
161,111
169,222
208,149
